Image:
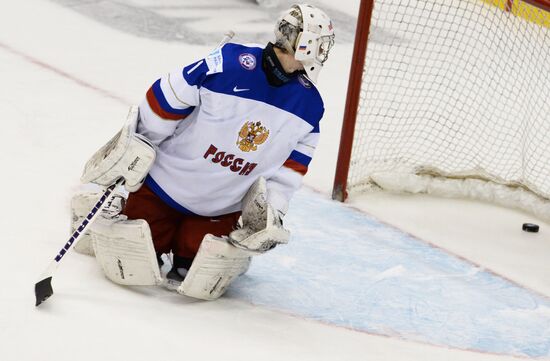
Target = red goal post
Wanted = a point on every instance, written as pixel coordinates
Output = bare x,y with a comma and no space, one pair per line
339,191
450,91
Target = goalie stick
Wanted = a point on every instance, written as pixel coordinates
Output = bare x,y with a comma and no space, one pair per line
43,288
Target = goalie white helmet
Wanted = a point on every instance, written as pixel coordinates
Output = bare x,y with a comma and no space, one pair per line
306,32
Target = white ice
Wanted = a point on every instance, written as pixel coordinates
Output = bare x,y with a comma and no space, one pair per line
67,81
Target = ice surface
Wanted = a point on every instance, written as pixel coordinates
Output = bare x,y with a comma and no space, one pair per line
68,78
345,268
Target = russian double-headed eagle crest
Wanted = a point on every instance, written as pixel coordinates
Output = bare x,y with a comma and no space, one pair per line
251,135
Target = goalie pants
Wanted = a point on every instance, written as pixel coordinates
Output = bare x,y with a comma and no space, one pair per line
172,230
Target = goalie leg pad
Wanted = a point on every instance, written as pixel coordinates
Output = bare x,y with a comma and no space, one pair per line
81,204
125,251
215,267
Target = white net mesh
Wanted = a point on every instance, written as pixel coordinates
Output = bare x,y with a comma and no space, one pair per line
459,88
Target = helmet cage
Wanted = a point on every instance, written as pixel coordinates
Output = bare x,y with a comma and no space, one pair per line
311,46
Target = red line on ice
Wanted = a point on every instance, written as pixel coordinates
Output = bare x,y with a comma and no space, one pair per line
64,74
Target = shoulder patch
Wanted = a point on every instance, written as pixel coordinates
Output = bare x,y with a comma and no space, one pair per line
248,61
214,60
304,81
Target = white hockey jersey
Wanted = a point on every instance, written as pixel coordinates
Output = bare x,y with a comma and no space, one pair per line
219,125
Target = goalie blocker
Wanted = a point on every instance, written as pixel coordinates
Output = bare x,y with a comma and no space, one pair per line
127,155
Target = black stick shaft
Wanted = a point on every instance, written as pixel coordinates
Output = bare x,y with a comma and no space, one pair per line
86,222
43,288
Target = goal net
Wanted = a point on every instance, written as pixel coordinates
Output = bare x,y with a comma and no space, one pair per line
452,98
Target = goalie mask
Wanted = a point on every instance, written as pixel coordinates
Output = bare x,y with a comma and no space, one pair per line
306,32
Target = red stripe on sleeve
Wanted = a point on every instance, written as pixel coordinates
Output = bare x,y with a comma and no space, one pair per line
295,166
155,106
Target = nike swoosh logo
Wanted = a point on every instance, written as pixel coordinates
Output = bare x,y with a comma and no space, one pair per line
236,90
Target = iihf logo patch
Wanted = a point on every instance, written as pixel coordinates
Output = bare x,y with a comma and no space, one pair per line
248,61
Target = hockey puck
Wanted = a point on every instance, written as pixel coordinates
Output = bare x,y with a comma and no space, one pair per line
530,227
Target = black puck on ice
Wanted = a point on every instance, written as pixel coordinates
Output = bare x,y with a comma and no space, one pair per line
530,227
